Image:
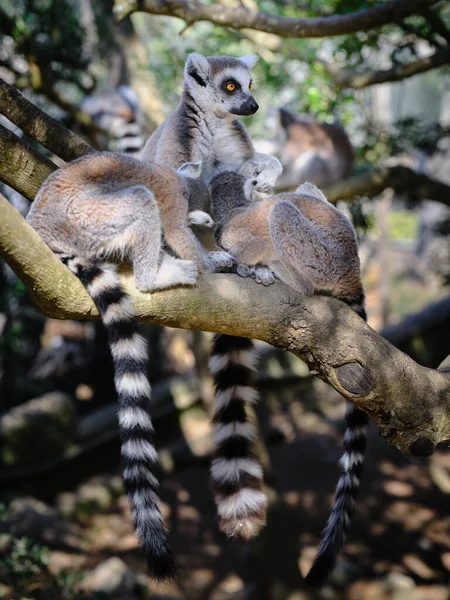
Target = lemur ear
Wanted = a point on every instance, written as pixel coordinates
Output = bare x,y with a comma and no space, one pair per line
286,118
249,60
309,189
197,68
191,169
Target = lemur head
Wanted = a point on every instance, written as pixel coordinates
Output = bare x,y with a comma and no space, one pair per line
221,83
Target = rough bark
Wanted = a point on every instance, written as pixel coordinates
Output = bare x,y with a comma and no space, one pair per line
409,403
398,72
21,166
239,17
38,125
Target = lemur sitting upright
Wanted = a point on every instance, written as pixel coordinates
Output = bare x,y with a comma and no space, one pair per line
105,205
204,127
312,247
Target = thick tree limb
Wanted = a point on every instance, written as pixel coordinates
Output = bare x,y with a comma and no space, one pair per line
21,166
239,17
38,125
402,179
409,403
354,80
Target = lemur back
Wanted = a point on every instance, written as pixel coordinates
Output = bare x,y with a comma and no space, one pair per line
312,247
106,206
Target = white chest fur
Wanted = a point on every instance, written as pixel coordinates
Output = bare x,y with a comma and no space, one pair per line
222,147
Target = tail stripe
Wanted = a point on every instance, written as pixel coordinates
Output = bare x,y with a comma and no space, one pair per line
347,488
236,474
139,456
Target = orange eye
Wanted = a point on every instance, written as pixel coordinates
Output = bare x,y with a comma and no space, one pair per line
250,85
231,86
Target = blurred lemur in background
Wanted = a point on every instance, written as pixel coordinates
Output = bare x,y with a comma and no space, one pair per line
311,246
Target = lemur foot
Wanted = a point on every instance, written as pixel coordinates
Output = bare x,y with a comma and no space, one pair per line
261,185
198,217
219,260
252,194
262,275
174,271
243,270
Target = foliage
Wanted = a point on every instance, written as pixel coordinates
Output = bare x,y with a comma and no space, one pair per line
24,568
39,40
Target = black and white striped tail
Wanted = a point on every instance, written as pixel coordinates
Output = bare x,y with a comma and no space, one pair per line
139,457
237,475
351,465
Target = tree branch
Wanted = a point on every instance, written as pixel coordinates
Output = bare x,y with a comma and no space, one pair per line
192,11
38,125
345,78
21,166
402,179
409,403
437,24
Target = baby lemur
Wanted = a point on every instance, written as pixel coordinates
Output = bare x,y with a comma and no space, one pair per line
110,205
311,246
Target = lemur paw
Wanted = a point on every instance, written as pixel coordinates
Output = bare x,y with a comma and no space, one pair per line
262,275
243,270
198,217
220,259
175,272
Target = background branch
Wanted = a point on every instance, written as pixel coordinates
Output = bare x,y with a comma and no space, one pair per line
22,167
399,72
238,17
410,403
402,179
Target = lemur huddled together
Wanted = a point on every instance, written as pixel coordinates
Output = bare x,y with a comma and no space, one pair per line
200,167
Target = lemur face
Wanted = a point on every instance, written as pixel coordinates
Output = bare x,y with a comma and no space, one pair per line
221,83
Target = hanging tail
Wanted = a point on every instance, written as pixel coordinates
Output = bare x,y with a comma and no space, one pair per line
237,476
351,465
139,456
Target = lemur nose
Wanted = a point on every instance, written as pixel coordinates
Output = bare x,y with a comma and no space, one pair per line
253,105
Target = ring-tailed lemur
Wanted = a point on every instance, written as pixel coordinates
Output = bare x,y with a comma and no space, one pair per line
311,151
311,246
117,112
105,205
204,128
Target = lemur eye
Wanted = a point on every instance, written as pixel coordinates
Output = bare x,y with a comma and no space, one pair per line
250,85
231,86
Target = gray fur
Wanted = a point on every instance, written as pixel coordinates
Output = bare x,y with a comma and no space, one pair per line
311,247
203,128
99,217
